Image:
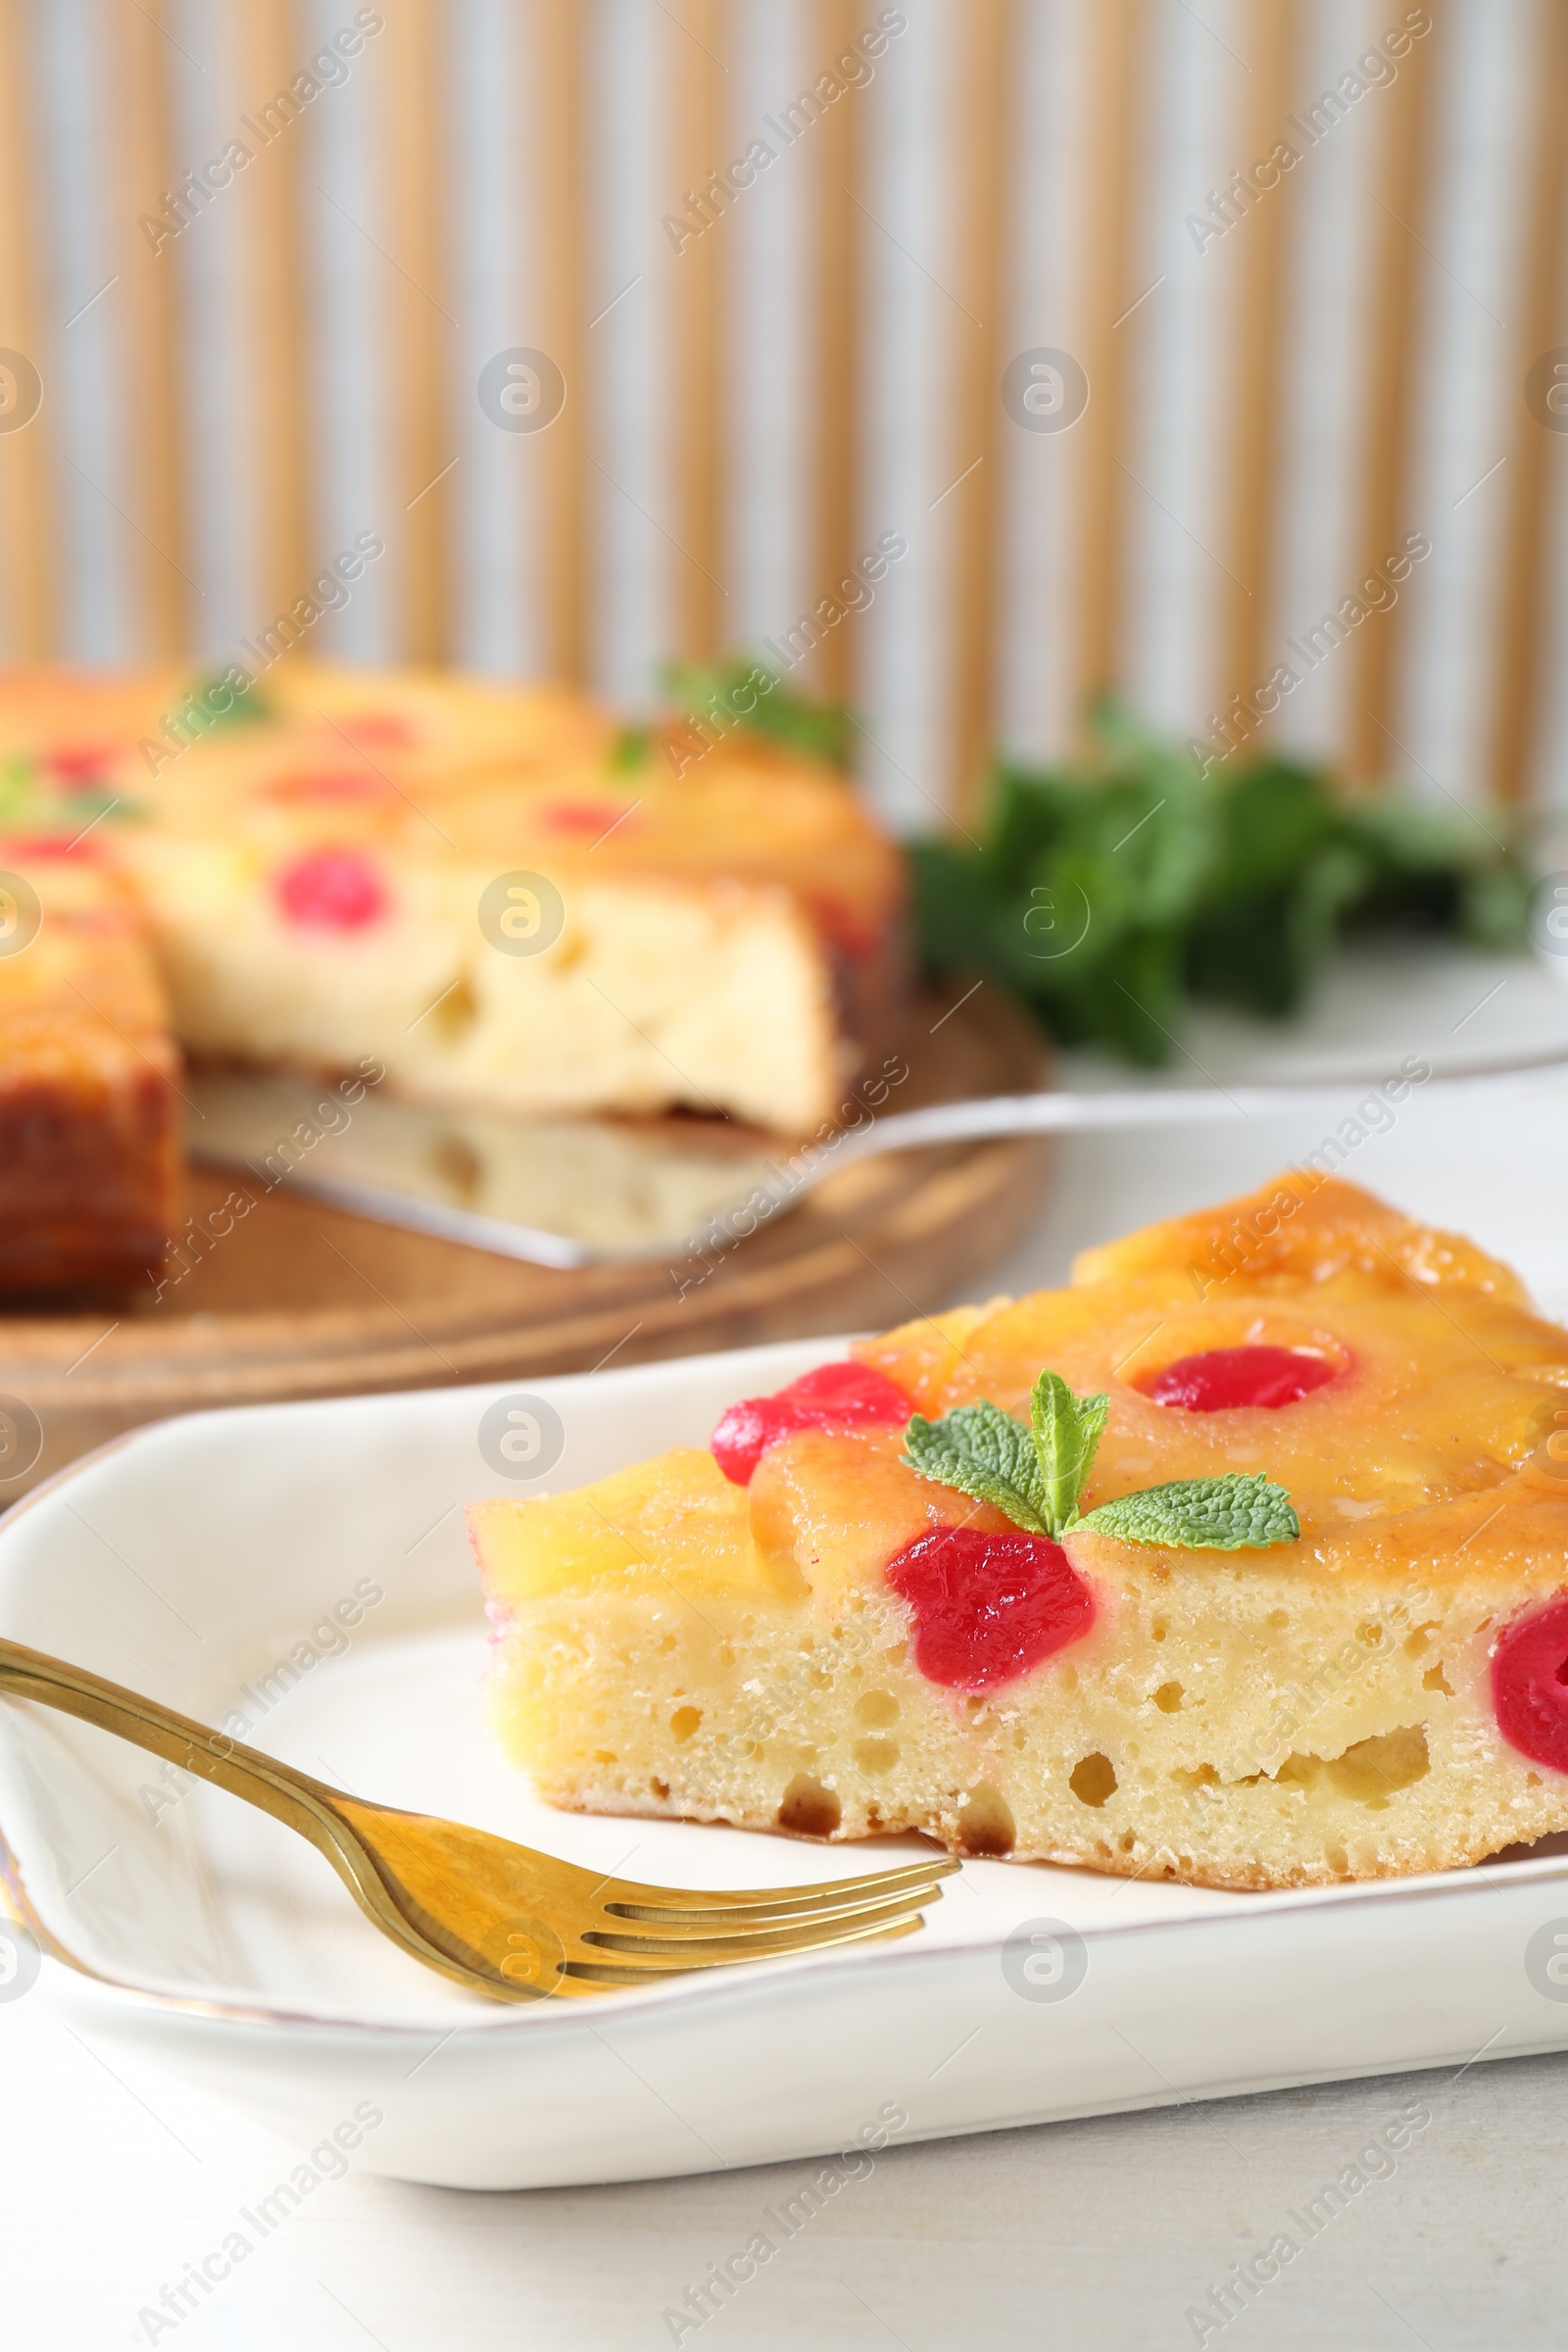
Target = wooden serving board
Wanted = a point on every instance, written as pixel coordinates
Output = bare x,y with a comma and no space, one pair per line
299,1299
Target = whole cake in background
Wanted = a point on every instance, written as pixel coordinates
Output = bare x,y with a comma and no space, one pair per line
498,893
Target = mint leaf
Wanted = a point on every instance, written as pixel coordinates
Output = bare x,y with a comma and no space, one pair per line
982,1451
1239,1512
93,802
18,789
750,695
1066,1429
246,708
632,747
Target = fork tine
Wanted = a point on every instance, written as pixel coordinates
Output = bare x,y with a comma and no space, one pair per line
639,1968
630,1932
760,1903
722,1940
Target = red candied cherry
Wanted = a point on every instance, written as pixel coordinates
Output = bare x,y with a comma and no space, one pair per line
845,927
1530,1686
584,816
81,764
54,845
330,890
377,727
988,1608
1221,1378
835,1396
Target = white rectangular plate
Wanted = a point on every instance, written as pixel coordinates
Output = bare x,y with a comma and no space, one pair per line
203,1560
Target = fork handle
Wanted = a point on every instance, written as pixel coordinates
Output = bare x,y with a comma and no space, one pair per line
305,1805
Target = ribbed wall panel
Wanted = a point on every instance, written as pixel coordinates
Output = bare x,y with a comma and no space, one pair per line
767,368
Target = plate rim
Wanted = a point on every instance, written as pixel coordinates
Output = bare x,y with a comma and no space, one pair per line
118,1995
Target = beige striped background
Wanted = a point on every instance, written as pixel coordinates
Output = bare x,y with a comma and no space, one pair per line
1270,409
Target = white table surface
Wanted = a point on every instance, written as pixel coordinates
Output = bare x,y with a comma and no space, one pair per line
1104,2233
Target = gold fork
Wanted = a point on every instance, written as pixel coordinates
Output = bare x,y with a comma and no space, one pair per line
496,1917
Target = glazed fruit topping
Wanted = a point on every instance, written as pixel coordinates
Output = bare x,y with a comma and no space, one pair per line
988,1608
1222,1377
1530,1686
835,1396
331,890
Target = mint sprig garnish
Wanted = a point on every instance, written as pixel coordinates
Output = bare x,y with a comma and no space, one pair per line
1036,1475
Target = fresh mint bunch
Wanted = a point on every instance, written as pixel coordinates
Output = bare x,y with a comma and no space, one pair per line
1037,1474
1111,890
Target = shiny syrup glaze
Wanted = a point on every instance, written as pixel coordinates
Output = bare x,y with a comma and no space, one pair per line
988,1607
835,1396
330,890
1530,1686
1223,1378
